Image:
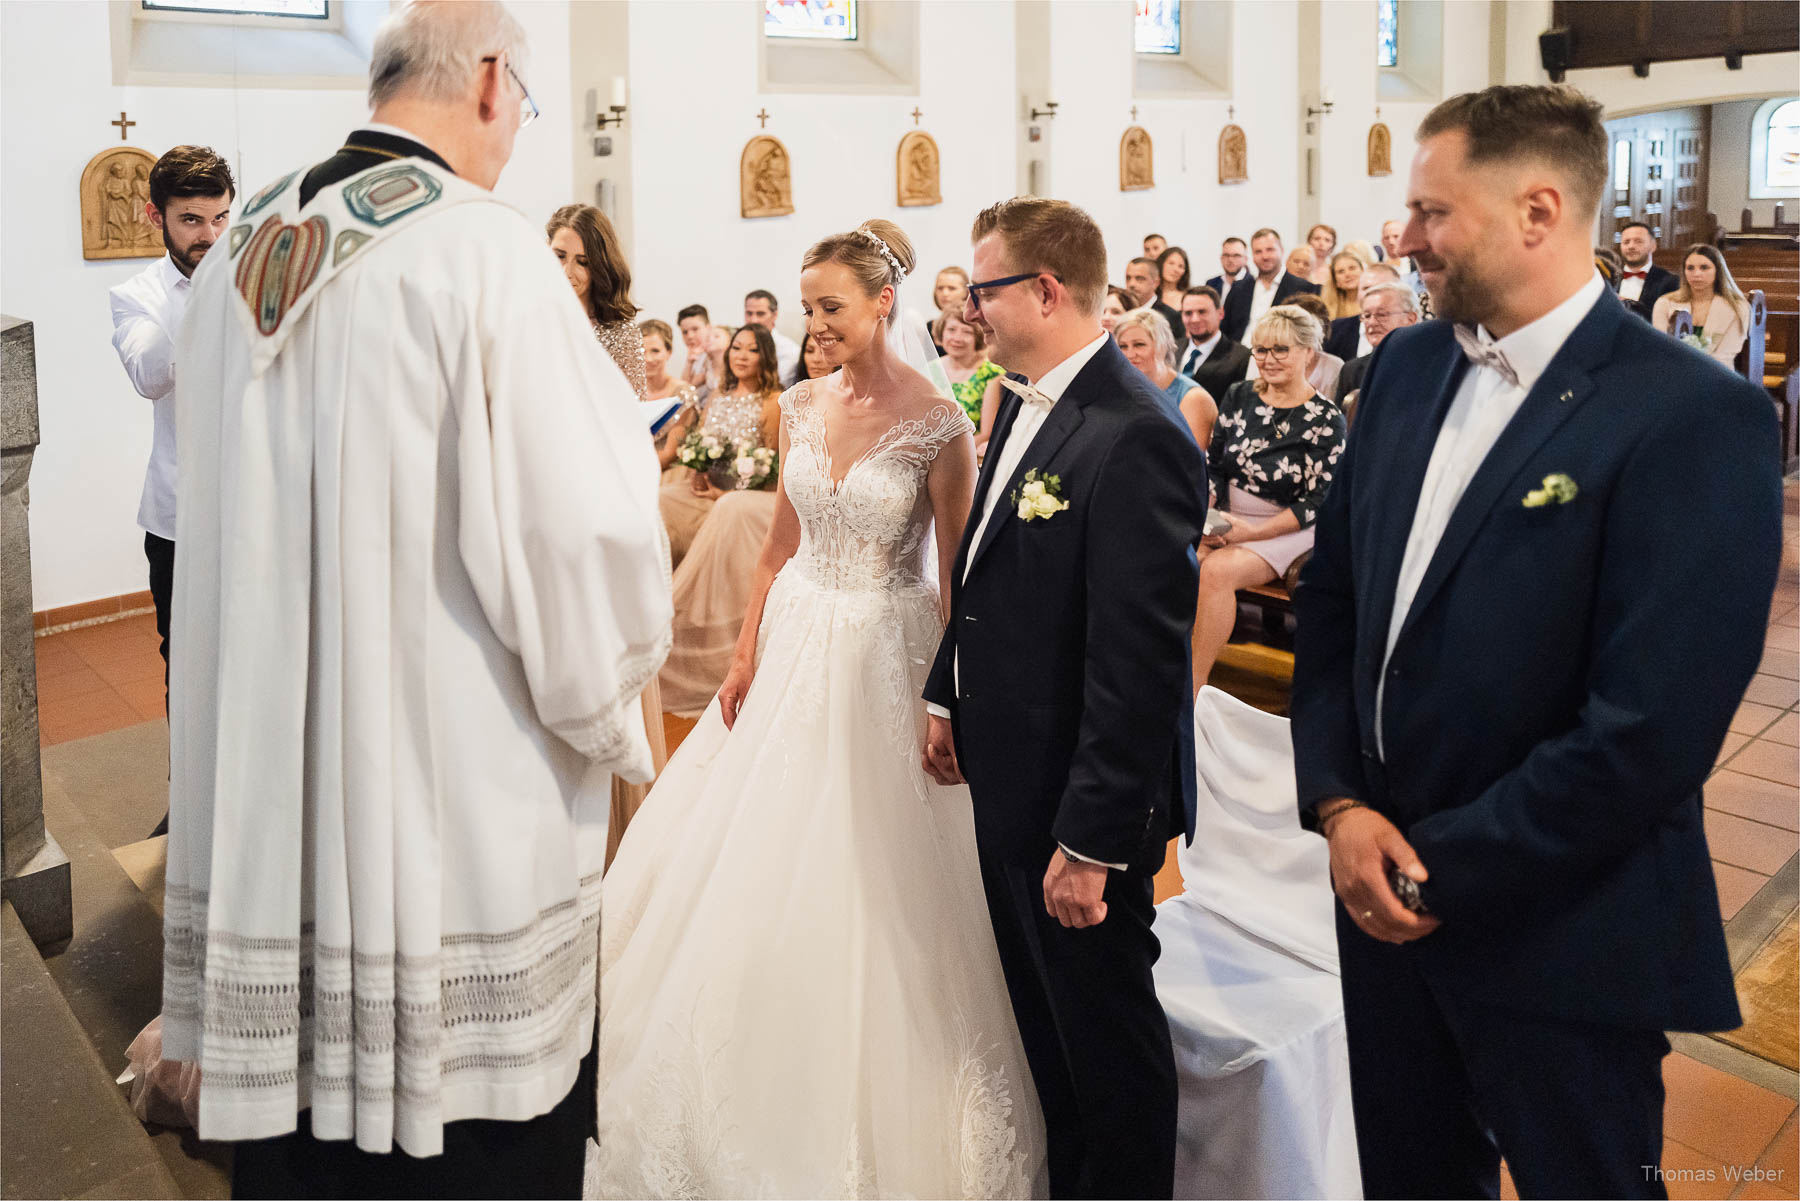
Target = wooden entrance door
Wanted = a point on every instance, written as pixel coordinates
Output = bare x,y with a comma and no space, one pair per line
1658,176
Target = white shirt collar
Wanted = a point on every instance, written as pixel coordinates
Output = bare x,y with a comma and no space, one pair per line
171,276
1275,283
1207,345
1057,380
1531,347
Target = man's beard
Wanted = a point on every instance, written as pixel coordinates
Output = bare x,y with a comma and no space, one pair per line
1637,265
189,261
1458,295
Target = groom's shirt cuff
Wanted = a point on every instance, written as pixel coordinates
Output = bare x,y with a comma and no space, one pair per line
1117,867
937,710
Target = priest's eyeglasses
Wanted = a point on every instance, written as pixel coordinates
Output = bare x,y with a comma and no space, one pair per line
528,109
987,285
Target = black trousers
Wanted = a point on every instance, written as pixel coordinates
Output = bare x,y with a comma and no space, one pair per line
1443,1087
1094,1032
542,1157
161,553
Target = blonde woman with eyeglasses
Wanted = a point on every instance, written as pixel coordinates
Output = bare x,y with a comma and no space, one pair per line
1271,457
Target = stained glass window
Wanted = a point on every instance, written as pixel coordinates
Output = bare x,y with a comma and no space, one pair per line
827,20
1387,33
310,9
1158,26
1782,162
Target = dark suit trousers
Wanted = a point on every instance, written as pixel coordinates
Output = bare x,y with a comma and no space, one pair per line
1094,1032
1443,1087
542,1157
161,554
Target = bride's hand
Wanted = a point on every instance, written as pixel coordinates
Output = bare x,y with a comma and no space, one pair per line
734,689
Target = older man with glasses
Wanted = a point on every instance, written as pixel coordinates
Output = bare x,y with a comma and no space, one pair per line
1385,308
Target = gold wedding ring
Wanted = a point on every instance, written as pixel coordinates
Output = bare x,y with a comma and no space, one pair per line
1367,914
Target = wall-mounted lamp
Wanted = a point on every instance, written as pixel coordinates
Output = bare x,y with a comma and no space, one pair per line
601,120
1049,110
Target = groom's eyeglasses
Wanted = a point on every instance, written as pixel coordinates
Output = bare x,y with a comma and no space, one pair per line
994,285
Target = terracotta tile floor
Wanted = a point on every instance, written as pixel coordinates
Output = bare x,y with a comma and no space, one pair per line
101,678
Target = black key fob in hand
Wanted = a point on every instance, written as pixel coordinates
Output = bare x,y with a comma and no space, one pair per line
1406,889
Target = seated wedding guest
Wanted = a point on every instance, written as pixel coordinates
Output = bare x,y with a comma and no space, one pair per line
1391,232
1609,265
698,367
1172,269
1154,245
1321,240
1234,266
1211,359
1386,307
1363,249
1345,337
1115,305
1269,286
1299,262
974,378
761,308
1709,295
1141,281
712,582
1271,457
587,248
1641,282
662,384
1144,338
1340,290
1324,374
738,412
951,289
813,363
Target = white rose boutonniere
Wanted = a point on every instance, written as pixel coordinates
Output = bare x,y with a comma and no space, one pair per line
1039,497
1558,489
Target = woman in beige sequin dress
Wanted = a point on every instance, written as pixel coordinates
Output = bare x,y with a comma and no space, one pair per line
712,581
587,248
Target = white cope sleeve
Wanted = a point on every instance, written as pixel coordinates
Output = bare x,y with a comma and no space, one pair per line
144,346
561,533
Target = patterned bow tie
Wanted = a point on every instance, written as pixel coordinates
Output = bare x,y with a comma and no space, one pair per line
1029,394
1489,355
1637,275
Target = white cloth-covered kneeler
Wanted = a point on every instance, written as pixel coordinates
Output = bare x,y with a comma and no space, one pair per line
1249,978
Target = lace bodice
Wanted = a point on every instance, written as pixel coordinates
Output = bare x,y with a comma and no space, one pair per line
868,530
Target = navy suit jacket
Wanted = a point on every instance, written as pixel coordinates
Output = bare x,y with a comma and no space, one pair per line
1236,322
1342,338
1566,673
1072,696
1657,282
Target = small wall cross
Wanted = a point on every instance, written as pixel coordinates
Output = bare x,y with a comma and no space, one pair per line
763,119
1231,112
123,123
916,114
1134,112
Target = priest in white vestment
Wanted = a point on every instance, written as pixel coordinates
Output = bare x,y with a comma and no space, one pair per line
422,584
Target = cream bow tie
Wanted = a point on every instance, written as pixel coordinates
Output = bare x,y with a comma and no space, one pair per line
1029,394
1487,355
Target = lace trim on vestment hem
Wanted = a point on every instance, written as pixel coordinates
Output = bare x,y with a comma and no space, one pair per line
603,737
280,1017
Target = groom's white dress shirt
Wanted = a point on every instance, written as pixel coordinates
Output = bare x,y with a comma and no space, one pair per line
1483,406
1019,438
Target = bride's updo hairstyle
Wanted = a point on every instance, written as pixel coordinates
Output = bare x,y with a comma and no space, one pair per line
877,252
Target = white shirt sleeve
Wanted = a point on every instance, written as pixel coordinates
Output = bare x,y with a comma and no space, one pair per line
144,346
1118,867
561,533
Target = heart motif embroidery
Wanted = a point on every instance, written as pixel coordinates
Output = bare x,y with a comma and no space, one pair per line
279,263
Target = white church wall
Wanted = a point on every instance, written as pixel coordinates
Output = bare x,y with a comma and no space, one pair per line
693,86
56,98
1728,173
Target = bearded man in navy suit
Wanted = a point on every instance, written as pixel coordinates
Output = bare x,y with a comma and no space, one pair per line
1537,592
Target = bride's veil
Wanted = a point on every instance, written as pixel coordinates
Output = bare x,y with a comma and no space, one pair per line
908,339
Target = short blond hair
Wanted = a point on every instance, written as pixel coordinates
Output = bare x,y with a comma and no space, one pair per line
1053,236
1155,325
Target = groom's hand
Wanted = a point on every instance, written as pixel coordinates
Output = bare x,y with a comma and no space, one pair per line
940,751
1072,892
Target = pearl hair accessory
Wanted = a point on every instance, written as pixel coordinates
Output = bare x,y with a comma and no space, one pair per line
899,271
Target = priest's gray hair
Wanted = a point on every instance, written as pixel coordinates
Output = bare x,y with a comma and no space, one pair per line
432,49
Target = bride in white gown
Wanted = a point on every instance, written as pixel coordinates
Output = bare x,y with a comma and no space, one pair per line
800,994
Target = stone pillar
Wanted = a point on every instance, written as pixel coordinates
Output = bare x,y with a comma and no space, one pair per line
36,870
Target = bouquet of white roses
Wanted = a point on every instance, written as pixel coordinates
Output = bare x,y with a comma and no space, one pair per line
754,466
1700,340
700,450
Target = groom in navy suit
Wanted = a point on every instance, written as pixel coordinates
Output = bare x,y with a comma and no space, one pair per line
1537,593
1062,692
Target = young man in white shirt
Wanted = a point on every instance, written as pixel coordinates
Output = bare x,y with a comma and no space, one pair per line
191,190
760,308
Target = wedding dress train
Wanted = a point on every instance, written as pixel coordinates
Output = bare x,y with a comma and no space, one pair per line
800,994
